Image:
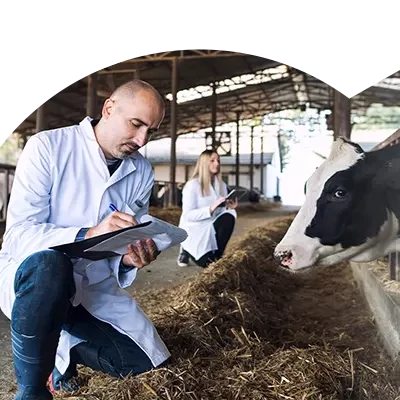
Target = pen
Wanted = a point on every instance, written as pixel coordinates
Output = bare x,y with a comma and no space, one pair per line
112,207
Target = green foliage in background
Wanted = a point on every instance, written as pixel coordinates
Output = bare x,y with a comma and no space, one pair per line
10,150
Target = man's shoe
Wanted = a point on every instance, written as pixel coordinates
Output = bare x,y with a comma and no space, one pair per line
66,382
183,260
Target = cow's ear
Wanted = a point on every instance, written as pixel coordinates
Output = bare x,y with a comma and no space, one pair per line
342,147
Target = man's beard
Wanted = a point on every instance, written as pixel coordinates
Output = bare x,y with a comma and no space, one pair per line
123,154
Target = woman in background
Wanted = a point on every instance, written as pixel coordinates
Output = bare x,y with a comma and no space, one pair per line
207,217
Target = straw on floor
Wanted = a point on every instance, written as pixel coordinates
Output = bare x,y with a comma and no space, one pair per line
244,329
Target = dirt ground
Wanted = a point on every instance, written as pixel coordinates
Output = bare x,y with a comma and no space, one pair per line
164,272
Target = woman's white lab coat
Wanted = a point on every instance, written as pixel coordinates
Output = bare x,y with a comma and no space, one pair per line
197,220
62,184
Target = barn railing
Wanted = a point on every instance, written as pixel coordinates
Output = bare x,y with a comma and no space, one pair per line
393,258
6,178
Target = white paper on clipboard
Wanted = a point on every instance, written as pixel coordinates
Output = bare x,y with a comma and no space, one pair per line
164,235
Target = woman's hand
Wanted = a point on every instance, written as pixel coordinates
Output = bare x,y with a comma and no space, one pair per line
217,204
230,204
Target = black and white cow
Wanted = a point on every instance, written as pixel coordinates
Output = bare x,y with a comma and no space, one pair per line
351,210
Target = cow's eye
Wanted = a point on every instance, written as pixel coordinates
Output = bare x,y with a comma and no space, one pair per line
340,193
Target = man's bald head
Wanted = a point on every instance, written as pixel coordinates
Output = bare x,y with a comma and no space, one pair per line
130,89
130,117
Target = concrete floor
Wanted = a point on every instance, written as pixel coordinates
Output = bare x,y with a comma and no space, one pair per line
163,272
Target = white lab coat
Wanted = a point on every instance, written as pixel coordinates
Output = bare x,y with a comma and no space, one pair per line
197,220
62,184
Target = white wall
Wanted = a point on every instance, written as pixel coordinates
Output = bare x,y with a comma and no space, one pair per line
162,172
302,164
271,183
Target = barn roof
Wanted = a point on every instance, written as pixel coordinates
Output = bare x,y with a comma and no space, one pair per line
247,84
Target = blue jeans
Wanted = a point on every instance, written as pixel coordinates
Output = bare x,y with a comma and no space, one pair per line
43,286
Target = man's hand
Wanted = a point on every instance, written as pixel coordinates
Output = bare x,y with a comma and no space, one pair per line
115,221
141,254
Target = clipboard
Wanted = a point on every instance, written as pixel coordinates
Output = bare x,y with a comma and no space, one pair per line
236,194
116,243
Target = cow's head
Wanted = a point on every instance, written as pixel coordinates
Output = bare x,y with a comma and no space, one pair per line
348,212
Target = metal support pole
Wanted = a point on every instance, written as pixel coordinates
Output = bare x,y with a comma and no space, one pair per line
186,173
41,121
6,192
262,165
172,188
237,147
91,105
394,266
214,115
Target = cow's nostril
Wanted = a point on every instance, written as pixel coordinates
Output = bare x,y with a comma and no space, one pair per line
284,258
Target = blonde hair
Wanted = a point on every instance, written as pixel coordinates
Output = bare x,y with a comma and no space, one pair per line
202,172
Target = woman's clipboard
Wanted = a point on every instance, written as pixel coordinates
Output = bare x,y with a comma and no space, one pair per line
116,243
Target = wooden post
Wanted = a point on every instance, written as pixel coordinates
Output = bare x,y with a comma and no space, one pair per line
341,115
91,105
41,120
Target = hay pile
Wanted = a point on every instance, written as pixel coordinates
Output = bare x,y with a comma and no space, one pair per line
243,329
170,214
251,208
